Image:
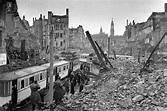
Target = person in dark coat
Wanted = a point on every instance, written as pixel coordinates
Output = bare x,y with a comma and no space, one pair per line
78,78
35,96
2,109
59,92
81,86
66,86
42,94
14,95
72,87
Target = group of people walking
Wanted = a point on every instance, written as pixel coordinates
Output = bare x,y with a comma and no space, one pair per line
68,86
74,82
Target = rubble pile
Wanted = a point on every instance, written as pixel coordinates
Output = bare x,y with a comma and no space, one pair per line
123,90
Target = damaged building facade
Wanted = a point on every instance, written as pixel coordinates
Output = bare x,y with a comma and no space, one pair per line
77,38
42,27
15,36
144,36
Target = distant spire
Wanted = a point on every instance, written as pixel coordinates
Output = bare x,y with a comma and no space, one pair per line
112,28
23,17
112,23
101,30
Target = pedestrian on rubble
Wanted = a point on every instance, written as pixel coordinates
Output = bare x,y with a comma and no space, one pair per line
78,78
71,76
75,79
72,87
2,109
81,86
66,85
14,95
35,96
59,92
42,94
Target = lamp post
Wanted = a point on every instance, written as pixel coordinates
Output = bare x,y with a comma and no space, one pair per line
51,71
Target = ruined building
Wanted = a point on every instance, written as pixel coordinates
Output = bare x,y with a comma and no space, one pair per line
146,34
42,27
15,37
77,38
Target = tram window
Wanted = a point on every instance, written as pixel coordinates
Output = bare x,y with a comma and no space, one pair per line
22,83
18,85
64,68
6,86
59,69
31,79
26,82
37,77
67,66
43,75
40,76
1,87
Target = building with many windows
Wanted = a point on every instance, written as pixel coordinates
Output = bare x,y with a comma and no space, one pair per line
42,27
60,29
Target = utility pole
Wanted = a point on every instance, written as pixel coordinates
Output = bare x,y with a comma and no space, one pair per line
51,71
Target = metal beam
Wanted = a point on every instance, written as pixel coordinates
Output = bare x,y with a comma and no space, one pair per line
95,48
155,48
106,59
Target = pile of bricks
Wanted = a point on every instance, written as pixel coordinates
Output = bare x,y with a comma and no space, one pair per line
124,90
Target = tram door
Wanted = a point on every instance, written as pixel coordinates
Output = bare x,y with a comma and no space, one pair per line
56,74
14,92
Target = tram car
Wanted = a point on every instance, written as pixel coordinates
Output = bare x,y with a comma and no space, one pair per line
86,63
60,68
22,79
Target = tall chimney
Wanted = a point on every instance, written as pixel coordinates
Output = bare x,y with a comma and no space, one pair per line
49,17
165,9
33,20
40,31
67,11
40,16
23,17
127,22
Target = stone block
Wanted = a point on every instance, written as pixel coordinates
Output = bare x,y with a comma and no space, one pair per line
137,98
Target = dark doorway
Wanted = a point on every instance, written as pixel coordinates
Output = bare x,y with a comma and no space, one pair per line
14,92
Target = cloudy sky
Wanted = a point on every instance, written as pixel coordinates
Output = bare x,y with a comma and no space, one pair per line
93,14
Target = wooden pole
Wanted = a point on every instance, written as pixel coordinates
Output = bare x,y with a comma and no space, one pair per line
51,71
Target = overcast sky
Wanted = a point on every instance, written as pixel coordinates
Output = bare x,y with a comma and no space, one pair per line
93,14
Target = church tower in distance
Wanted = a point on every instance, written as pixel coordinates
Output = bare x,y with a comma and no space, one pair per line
112,29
